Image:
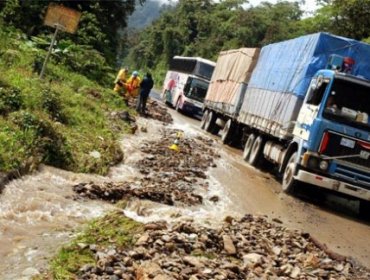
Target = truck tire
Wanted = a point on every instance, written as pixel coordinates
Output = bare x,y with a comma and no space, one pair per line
204,119
289,183
256,156
210,125
248,146
364,210
227,132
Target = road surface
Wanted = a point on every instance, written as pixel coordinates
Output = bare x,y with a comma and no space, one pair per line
332,220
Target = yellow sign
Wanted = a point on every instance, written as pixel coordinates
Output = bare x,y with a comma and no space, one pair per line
64,18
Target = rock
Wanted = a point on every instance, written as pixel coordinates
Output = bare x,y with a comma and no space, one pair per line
311,261
229,245
95,154
276,250
295,272
30,272
252,258
214,198
143,239
193,261
148,270
339,267
163,277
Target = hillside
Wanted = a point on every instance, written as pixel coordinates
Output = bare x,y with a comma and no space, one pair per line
64,120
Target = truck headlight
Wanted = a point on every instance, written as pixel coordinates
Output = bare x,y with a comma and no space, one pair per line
324,165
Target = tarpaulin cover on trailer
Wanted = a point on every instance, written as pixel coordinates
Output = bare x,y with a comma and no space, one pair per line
282,75
232,72
288,66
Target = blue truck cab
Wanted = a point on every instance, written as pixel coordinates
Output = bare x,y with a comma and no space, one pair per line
333,132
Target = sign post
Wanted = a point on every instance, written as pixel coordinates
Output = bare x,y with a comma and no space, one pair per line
62,19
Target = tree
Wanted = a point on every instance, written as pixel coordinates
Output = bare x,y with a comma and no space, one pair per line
99,25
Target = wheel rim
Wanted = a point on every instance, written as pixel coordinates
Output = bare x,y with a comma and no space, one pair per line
288,176
248,146
225,131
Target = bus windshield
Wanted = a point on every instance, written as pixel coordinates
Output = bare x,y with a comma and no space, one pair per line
348,103
196,89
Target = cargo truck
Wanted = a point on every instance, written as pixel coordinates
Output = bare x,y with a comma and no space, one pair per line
226,91
306,109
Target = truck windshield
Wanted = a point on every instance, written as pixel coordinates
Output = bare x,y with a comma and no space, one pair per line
348,103
196,89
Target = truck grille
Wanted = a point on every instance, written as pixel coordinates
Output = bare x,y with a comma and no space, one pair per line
335,149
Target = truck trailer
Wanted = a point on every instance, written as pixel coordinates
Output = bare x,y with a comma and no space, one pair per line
306,109
226,90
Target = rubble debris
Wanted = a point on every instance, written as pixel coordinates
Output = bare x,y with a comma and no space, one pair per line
168,177
154,110
189,251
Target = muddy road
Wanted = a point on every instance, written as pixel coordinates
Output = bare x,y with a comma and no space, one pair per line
332,220
38,213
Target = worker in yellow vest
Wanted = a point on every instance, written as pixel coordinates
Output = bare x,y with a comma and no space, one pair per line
133,84
120,81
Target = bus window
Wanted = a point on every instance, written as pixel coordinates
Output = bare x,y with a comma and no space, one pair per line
196,89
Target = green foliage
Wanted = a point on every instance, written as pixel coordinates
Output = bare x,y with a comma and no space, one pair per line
350,18
10,99
59,121
99,25
48,141
52,104
204,28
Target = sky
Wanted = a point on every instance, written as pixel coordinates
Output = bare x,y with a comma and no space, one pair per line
309,6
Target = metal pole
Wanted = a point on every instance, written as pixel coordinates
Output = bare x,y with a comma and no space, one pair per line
49,52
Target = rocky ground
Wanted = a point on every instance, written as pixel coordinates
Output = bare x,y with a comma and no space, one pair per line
153,111
169,176
249,248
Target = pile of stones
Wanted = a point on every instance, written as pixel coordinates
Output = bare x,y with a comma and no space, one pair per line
247,248
172,177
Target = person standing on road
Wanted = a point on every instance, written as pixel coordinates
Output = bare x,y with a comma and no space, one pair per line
145,87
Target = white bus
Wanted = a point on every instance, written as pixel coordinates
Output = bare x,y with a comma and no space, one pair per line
186,83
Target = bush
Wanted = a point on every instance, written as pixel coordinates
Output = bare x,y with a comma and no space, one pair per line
10,99
50,143
52,104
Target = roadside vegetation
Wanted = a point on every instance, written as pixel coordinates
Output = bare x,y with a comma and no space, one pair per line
112,229
63,120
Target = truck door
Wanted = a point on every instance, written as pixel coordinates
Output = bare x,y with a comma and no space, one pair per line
310,107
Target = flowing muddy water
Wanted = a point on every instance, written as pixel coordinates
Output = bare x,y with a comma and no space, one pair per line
38,215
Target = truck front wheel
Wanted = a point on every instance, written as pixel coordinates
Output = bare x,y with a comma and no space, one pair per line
289,183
